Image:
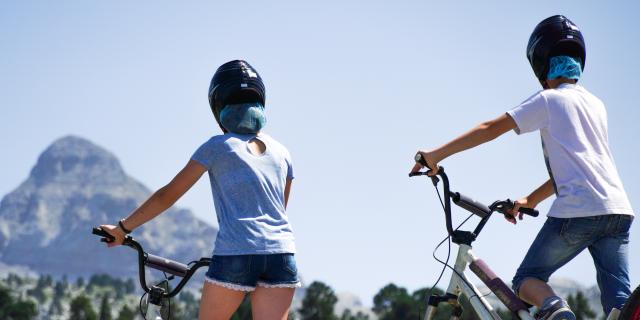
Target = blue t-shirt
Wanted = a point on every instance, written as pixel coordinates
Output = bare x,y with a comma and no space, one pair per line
248,193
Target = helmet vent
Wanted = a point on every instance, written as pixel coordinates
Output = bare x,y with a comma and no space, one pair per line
572,26
244,85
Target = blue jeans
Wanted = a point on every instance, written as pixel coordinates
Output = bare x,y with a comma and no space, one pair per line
560,240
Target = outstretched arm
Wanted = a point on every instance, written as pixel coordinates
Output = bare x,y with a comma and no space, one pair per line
482,133
161,200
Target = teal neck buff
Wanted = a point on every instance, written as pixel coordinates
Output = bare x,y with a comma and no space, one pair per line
244,118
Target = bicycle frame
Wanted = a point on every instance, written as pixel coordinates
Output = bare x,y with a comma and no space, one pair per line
460,284
153,312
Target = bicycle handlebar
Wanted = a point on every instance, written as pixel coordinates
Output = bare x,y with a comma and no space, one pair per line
482,210
156,262
466,202
471,205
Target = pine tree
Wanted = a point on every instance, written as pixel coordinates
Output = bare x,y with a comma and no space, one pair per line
11,308
126,313
244,310
105,308
81,309
318,303
129,286
393,302
59,289
580,306
47,281
56,306
80,282
22,310
65,281
38,291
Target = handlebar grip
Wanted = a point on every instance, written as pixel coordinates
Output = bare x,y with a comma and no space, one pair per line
470,205
529,211
100,232
420,159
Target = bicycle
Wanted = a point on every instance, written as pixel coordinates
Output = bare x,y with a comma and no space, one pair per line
459,283
158,295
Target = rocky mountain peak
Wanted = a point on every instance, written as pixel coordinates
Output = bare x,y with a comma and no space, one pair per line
77,159
45,223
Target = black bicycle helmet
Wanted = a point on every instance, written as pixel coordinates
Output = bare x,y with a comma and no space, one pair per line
554,36
235,82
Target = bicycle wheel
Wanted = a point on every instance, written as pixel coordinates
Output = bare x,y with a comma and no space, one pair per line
631,310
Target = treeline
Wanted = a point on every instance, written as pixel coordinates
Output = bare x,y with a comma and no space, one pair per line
394,303
102,297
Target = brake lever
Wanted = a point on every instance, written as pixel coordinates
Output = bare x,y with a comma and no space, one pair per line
501,206
504,206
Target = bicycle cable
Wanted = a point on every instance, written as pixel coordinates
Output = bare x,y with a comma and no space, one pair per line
445,264
144,315
168,299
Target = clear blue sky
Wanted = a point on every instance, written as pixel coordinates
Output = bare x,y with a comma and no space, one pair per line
353,90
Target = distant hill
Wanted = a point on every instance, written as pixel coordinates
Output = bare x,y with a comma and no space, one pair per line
45,223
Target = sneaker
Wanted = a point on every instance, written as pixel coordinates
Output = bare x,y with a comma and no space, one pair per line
558,311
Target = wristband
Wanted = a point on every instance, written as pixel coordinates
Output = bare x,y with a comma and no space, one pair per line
121,225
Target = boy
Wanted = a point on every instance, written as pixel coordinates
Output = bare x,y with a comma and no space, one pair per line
591,209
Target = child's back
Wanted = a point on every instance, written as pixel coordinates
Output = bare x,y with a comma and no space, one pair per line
573,127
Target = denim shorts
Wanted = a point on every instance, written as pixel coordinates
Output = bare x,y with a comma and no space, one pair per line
560,240
245,272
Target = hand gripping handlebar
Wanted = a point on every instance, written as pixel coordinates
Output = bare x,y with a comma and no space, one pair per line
467,203
185,271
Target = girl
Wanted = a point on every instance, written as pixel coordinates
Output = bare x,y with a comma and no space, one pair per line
250,175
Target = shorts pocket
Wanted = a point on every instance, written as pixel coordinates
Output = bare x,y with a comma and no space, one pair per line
235,266
289,264
577,230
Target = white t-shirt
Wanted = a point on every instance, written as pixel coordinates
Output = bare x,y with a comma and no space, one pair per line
573,126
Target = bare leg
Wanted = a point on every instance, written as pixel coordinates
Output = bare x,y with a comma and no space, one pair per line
218,303
534,291
271,303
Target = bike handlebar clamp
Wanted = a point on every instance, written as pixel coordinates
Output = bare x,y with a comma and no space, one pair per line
463,237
